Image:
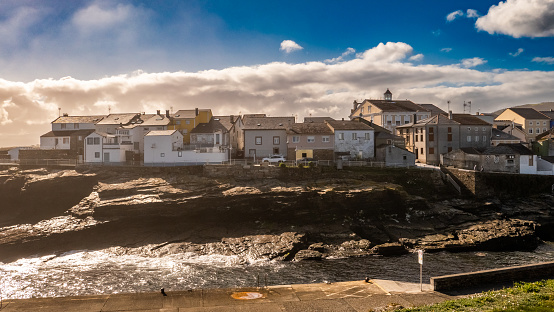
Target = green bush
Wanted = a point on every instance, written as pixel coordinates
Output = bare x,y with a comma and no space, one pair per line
282,165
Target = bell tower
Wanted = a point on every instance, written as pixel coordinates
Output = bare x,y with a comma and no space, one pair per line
388,95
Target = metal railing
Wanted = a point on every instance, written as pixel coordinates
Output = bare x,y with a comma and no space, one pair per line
48,162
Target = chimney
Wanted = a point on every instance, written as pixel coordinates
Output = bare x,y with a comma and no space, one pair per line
196,111
450,114
355,105
167,113
231,118
415,118
158,112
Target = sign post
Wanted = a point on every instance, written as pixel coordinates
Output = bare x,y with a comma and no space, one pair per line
420,261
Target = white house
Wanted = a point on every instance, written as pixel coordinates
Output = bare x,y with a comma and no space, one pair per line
165,147
353,139
105,148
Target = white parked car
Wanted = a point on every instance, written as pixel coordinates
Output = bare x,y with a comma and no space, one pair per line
274,159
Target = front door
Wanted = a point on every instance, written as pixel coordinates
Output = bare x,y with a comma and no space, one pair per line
106,157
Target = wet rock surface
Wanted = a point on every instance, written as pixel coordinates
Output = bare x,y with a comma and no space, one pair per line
346,215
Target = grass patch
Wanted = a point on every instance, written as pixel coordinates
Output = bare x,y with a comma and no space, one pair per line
529,297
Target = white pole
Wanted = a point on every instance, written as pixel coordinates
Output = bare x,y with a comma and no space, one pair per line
420,260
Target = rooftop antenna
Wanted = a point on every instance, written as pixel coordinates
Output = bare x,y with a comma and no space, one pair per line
109,109
448,103
468,104
59,111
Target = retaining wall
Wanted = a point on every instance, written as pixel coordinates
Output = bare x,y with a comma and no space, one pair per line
491,277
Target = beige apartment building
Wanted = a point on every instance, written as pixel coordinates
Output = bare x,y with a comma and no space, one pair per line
531,121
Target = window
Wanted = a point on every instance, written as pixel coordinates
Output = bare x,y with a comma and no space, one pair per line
187,122
431,130
476,129
401,131
398,122
311,139
469,138
65,140
531,130
538,123
450,149
96,154
530,160
162,154
362,109
354,136
295,139
258,140
177,122
450,137
484,129
179,154
404,157
431,137
75,126
368,136
325,139
544,123
421,137
530,123
468,128
89,141
543,129
217,138
476,138
421,151
538,130
63,126
275,150
276,140
416,138
431,150
484,138
96,141
341,136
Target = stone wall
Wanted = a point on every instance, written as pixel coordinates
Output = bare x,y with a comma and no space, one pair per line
483,184
47,154
497,276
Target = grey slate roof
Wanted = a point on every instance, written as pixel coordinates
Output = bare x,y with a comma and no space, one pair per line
501,135
267,123
433,109
528,113
116,119
397,106
213,126
467,120
317,119
227,121
78,119
310,128
348,125
83,132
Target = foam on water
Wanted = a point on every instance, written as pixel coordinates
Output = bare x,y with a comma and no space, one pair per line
122,270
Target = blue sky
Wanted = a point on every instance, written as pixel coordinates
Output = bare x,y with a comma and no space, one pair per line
276,57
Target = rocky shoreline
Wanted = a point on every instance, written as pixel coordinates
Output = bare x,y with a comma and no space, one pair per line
337,214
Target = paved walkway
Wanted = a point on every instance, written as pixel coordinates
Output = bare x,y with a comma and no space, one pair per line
344,296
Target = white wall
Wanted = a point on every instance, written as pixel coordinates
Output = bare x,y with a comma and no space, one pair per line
50,143
354,147
524,167
159,150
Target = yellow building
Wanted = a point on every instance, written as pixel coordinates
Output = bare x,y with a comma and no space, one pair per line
187,119
532,122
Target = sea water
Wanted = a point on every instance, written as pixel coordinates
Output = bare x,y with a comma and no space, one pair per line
116,270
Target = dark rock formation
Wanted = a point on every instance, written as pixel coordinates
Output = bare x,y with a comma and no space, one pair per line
340,214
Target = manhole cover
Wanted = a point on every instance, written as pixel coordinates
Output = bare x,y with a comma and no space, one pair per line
247,295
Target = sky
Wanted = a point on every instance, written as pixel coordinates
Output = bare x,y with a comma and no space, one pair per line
282,58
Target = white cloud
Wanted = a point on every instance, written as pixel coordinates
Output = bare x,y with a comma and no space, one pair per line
472,13
473,62
547,60
446,50
341,57
519,18
452,16
416,58
517,53
277,89
290,46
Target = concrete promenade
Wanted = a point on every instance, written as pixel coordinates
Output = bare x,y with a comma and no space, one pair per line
342,296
